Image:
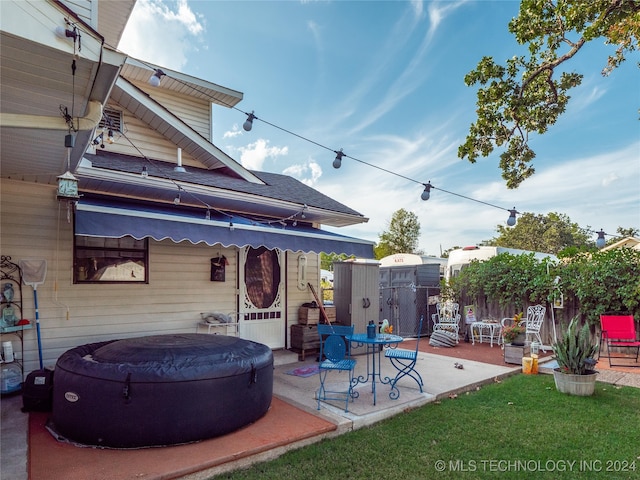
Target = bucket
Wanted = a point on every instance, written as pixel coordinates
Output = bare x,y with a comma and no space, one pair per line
11,378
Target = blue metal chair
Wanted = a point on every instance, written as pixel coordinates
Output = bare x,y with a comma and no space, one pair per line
335,355
405,362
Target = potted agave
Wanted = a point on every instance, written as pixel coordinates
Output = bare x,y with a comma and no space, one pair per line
575,352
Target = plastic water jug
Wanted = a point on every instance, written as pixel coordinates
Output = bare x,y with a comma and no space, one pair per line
11,378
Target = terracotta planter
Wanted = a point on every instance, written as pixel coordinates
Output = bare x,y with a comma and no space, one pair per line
571,384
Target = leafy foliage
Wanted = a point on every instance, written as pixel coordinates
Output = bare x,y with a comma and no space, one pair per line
549,233
527,95
593,282
402,235
575,350
604,282
327,259
510,280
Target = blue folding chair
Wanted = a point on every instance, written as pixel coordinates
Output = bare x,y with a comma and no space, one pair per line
335,355
405,362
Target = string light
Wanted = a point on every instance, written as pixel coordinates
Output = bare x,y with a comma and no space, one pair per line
248,123
427,191
337,163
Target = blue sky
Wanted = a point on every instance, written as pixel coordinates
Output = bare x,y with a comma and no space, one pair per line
384,82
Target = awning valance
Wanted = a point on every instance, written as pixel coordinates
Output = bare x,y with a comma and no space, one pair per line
119,218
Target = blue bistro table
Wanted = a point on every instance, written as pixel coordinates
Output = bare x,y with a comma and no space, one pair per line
373,346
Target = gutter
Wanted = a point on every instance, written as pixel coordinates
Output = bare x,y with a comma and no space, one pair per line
41,122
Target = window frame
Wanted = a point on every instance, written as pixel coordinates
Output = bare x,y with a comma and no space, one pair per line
121,252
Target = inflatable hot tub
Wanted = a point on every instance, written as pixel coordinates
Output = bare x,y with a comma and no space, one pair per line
160,390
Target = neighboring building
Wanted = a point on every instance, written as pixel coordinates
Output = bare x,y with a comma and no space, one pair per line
166,226
627,242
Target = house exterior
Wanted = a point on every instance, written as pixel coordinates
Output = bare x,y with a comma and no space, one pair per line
627,242
166,226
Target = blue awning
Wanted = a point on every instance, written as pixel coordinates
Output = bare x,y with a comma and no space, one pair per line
119,218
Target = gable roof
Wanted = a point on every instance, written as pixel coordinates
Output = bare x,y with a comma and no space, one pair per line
276,196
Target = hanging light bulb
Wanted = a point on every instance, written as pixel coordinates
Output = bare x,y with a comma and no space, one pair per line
600,242
176,200
248,123
207,215
337,163
427,191
154,80
145,172
231,225
110,138
511,221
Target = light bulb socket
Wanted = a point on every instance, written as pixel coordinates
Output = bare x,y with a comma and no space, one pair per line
427,192
248,123
154,80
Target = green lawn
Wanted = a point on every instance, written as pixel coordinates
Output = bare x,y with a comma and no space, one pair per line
519,428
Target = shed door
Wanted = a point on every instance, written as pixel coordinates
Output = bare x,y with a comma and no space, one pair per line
262,296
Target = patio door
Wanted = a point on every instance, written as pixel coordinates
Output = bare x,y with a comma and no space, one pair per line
261,309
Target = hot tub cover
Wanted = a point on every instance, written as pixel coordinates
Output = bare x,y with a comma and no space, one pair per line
160,390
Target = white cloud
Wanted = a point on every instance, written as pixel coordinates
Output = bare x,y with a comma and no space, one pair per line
234,132
308,173
255,154
160,35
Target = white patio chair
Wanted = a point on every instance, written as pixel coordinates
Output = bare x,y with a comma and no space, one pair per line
447,318
533,322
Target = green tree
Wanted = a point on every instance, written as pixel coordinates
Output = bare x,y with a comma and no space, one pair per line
549,233
401,237
327,259
528,95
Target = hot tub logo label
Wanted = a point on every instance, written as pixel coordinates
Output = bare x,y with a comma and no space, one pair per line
71,397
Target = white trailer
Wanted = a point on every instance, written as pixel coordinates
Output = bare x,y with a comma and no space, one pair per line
462,257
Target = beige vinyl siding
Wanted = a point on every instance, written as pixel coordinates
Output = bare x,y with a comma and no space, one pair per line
195,112
82,8
295,296
138,137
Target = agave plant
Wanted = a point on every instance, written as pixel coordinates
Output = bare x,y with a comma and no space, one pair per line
575,351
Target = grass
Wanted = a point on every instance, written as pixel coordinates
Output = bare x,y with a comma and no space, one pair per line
519,428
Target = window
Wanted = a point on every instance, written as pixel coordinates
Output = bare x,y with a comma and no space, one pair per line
110,260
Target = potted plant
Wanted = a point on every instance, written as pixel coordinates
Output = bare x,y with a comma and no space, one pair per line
575,352
514,333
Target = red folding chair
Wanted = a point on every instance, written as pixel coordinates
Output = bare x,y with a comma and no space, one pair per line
619,332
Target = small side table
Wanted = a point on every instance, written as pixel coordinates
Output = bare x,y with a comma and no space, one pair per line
492,330
227,328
